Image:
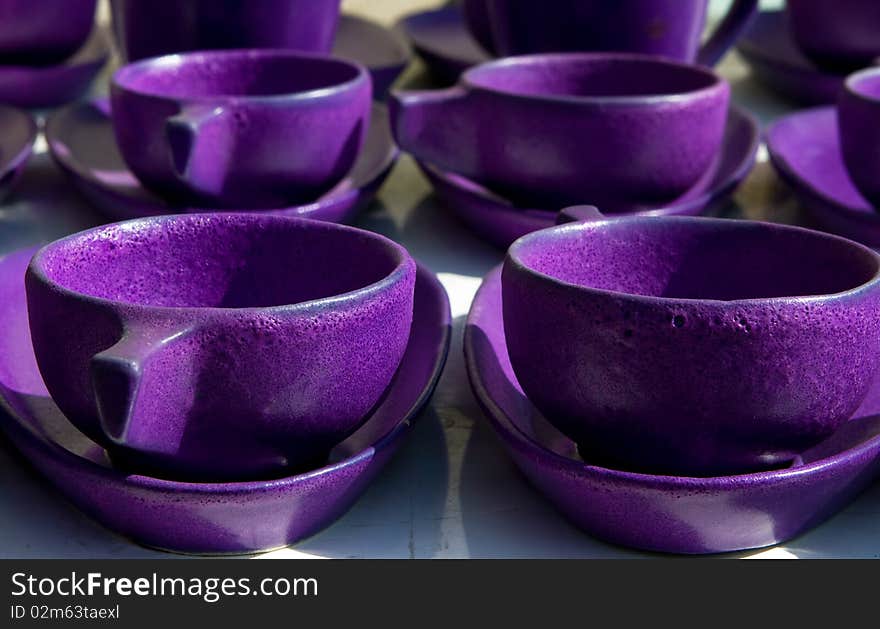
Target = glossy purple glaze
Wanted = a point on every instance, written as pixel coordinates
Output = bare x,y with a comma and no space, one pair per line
210,518
689,345
805,149
779,65
840,35
667,28
664,513
500,221
146,28
858,112
49,86
219,346
613,130
18,131
241,129
40,32
82,143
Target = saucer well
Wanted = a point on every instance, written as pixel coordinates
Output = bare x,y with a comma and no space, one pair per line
805,149
18,131
500,221
49,86
80,138
776,62
385,52
664,513
209,518
442,40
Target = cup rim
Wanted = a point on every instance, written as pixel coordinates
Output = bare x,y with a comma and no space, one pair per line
873,283
716,84
401,257
851,81
120,77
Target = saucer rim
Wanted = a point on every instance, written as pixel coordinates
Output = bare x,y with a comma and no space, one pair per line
508,429
802,185
57,452
339,195
749,44
702,200
757,57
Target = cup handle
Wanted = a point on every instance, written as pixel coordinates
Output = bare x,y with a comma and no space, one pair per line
738,17
432,125
186,132
579,214
118,373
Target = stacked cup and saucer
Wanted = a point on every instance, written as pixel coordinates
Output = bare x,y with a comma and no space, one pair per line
50,51
806,50
670,383
519,138
211,98
220,374
683,384
828,156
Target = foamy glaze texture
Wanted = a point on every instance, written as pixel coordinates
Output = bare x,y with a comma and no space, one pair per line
679,514
228,345
692,346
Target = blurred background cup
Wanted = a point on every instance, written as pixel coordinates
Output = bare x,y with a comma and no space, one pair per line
669,28
149,28
858,111
840,35
40,32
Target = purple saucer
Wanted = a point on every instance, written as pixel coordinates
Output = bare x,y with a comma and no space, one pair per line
81,141
776,62
500,222
384,52
18,130
50,86
443,41
805,149
664,513
215,518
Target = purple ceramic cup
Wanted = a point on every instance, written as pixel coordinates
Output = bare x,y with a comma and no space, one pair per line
842,35
41,32
858,113
219,346
692,346
243,128
667,28
150,28
613,130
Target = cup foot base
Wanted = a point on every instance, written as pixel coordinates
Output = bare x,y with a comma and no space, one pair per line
166,468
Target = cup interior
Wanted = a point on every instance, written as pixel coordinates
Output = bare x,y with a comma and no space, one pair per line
696,259
219,261
588,76
235,74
